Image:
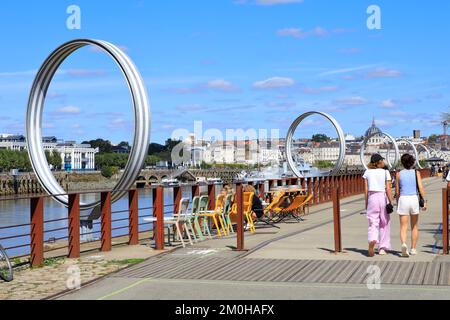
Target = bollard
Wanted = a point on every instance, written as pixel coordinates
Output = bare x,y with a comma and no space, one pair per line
337,221
445,220
37,231
74,226
105,209
240,218
133,228
158,213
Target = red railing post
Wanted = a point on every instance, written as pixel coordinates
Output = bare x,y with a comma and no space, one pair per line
106,221
195,190
302,183
309,186
316,190
337,221
240,218
177,196
37,231
133,206
211,197
445,220
158,213
321,187
74,226
261,190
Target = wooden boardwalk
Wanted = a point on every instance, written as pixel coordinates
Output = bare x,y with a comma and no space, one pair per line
290,271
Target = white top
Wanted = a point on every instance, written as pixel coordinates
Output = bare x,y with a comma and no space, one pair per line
448,177
376,179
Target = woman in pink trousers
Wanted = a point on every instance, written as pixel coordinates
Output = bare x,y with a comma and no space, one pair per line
378,191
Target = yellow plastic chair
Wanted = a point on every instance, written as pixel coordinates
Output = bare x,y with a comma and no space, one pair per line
215,215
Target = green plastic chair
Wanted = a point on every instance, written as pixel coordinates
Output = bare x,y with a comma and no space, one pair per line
194,217
203,207
226,213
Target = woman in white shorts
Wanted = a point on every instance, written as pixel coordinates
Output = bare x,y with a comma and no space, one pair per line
408,184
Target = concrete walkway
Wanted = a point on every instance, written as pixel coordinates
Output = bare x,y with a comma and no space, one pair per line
295,262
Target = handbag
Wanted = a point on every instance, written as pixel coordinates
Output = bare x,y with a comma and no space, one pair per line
421,200
389,206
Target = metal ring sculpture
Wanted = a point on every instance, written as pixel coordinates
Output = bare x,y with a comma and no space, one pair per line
394,142
424,147
141,109
416,154
290,135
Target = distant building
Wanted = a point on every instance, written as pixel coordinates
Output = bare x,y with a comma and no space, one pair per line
416,134
74,156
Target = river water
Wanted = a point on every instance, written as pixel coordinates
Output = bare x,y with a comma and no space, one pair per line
17,212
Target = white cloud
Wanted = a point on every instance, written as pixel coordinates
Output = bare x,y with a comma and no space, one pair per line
384,73
352,101
222,85
389,103
68,110
274,83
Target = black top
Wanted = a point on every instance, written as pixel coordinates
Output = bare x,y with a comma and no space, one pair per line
257,207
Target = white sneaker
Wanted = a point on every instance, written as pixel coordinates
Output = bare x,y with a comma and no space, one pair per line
382,252
405,252
413,252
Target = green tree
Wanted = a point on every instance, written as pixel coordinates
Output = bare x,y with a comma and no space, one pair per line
433,138
320,138
104,146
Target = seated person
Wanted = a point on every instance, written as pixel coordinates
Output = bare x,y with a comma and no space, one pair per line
257,207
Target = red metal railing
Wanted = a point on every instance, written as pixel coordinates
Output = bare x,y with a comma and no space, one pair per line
325,189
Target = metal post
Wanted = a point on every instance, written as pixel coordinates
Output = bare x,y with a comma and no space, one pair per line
315,190
337,221
321,187
74,226
106,221
240,218
133,217
445,220
158,212
211,197
261,190
37,231
177,195
195,190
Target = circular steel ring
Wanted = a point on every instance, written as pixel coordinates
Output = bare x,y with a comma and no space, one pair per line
141,109
290,136
424,147
394,142
416,154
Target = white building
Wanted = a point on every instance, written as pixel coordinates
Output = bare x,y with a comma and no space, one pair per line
74,156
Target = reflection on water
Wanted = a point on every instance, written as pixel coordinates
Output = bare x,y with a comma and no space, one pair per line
17,212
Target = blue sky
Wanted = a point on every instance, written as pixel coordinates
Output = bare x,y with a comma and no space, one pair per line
232,64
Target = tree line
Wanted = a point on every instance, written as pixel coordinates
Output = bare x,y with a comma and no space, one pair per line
11,159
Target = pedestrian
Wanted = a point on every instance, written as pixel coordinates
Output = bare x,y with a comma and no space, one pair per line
411,198
378,192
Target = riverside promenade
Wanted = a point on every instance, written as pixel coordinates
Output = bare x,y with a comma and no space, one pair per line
295,262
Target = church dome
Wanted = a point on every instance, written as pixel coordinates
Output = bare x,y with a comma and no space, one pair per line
373,130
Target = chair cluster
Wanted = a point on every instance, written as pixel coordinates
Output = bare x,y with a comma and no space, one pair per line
195,222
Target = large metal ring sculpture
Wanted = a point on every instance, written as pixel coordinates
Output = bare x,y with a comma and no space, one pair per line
141,108
394,142
416,154
290,136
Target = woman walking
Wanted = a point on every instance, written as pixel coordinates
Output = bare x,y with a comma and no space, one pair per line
409,184
378,191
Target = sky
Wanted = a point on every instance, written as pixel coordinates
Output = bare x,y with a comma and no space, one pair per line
232,64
